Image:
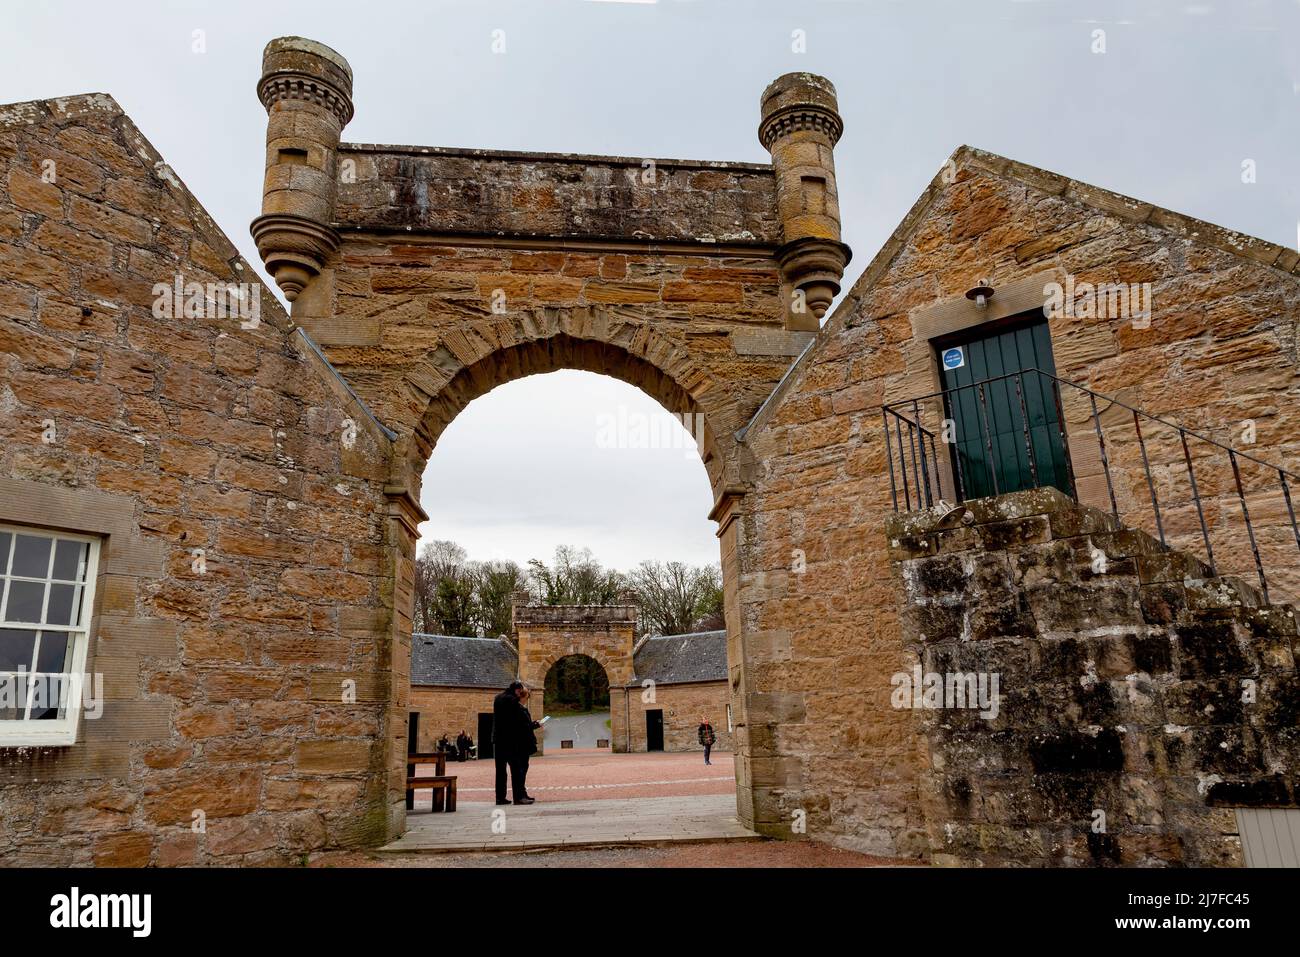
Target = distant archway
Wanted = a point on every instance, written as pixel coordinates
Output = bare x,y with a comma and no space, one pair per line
576,684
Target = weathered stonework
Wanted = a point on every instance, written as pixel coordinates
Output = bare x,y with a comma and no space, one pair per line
821,634
174,434
1137,704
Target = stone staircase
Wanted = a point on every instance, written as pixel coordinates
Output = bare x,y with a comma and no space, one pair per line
1141,700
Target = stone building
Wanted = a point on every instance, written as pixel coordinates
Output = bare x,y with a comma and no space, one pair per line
209,504
659,686
453,682
683,678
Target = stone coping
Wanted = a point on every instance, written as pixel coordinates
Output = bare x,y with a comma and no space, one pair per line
462,152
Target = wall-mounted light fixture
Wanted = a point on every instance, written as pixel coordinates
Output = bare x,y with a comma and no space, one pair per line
980,294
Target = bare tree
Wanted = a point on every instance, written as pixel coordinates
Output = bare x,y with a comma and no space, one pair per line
495,584
575,578
675,598
456,596
440,574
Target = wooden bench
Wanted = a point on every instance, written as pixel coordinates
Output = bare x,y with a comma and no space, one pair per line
442,784
443,787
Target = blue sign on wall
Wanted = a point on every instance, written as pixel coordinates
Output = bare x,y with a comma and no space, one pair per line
954,358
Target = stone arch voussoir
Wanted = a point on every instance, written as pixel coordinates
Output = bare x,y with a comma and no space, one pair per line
591,339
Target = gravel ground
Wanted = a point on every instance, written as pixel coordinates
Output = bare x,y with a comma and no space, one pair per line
744,854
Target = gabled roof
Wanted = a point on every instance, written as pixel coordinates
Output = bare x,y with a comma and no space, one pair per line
1249,248
456,662
680,659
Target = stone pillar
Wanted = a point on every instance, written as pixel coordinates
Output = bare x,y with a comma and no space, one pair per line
307,90
800,126
400,538
728,513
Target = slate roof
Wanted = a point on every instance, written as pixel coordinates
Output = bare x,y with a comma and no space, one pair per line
678,659
450,661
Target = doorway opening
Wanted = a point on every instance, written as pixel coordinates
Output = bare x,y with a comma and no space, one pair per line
654,729
1005,414
485,748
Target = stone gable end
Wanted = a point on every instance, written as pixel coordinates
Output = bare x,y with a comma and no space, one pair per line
823,633
245,546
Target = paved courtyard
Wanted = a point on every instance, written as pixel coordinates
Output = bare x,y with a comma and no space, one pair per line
576,824
592,775
585,799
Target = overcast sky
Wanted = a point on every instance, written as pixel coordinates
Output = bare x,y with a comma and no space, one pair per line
1183,95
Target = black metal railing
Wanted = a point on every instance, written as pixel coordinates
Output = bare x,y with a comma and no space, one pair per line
1009,432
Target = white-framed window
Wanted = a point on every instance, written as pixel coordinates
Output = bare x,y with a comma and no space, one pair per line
47,593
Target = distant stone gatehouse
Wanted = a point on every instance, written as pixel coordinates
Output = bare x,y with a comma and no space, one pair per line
659,687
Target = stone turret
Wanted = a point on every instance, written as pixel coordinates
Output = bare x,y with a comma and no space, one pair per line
800,126
307,90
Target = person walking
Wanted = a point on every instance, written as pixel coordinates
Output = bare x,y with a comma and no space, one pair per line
514,741
707,738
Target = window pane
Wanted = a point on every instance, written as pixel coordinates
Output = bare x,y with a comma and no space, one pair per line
13,697
31,556
70,560
26,601
52,655
47,696
4,551
16,649
65,606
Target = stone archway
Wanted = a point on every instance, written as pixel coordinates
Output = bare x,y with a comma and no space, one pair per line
545,634
428,276
629,351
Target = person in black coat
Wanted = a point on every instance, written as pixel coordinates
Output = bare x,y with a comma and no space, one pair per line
513,741
707,737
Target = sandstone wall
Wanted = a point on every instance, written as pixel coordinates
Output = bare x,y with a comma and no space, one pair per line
421,326
224,688
449,711
682,706
818,612
1138,701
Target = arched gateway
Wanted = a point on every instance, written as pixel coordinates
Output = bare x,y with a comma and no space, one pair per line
429,276
653,686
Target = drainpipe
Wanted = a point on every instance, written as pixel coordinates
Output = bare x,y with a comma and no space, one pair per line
627,721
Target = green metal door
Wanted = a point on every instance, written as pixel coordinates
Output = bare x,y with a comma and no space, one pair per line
989,419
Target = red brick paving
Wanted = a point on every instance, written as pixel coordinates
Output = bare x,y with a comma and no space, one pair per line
600,775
